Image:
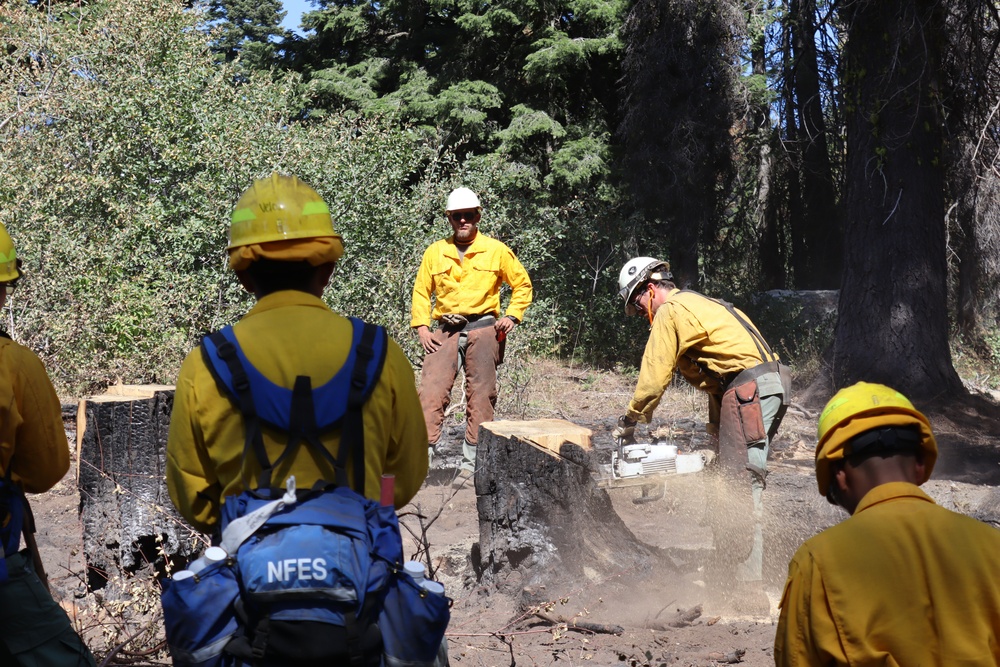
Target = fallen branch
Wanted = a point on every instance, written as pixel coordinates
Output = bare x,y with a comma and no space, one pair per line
730,658
682,618
574,624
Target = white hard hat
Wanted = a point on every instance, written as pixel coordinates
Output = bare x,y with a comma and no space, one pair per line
638,271
461,199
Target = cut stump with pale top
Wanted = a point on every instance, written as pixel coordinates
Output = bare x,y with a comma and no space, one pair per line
543,520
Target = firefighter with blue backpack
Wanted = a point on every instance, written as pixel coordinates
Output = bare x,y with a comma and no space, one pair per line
34,456
282,429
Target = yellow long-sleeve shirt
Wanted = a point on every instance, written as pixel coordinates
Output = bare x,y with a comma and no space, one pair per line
690,332
469,286
31,428
902,582
285,335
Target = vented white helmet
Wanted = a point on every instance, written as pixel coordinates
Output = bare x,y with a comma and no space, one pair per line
461,199
638,272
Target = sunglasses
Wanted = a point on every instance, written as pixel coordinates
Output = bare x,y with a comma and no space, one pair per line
458,216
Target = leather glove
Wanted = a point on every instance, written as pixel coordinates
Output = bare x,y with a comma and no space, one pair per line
625,431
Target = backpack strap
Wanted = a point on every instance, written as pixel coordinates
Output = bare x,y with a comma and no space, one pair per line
352,438
12,506
303,412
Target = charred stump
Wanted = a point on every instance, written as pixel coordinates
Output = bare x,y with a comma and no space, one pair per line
129,522
542,518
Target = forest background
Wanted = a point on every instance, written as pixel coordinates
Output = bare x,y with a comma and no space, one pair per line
794,144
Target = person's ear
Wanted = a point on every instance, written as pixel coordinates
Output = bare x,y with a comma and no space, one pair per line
840,479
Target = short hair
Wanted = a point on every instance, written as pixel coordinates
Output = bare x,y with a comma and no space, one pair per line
271,275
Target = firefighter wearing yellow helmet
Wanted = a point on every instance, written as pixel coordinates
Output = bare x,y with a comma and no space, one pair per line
34,629
903,581
293,396
283,248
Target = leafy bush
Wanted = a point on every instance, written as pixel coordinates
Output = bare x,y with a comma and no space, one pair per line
127,142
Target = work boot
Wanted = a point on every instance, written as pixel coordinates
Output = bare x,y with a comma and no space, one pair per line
468,456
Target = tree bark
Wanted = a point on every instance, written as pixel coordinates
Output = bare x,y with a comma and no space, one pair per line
128,519
542,518
820,229
893,315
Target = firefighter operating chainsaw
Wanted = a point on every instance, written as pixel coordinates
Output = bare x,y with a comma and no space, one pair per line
719,351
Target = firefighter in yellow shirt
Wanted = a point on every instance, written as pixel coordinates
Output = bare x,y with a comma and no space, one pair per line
283,249
902,581
464,273
34,456
718,350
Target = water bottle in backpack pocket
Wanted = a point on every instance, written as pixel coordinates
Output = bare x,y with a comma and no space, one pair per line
199,615
413,622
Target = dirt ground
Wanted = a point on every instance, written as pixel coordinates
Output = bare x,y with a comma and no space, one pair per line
490,629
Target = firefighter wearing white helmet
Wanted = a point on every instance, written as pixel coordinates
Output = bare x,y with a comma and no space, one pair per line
902,581
34,629
464,273
718,350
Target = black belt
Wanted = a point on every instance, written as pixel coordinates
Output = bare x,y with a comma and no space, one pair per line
752,373
473,322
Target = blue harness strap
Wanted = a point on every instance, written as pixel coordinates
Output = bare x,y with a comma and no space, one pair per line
304,412
11,520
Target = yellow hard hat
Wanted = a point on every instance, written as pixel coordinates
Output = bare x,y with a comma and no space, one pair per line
8,258
279,208
859,408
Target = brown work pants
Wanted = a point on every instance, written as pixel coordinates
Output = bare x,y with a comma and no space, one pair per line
480,354
748,421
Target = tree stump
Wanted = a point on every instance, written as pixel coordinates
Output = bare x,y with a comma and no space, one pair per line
129,522
542,517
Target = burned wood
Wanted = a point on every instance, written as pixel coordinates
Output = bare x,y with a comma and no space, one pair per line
681,618
730,658
577,624
129,522
542,518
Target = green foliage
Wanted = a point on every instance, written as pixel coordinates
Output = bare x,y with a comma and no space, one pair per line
125,147
248,29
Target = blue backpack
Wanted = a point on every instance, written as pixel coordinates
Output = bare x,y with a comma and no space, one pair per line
315,577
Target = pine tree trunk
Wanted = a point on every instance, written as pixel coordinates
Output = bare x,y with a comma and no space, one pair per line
893,315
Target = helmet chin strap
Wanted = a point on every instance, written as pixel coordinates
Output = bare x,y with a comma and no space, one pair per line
649,307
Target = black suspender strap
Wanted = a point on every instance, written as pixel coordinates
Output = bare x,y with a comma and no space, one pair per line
352,435
244,398
763,349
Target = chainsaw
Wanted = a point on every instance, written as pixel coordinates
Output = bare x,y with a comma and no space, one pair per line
648,465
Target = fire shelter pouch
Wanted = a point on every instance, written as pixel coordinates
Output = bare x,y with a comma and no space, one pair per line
413,622
199,616
751,413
